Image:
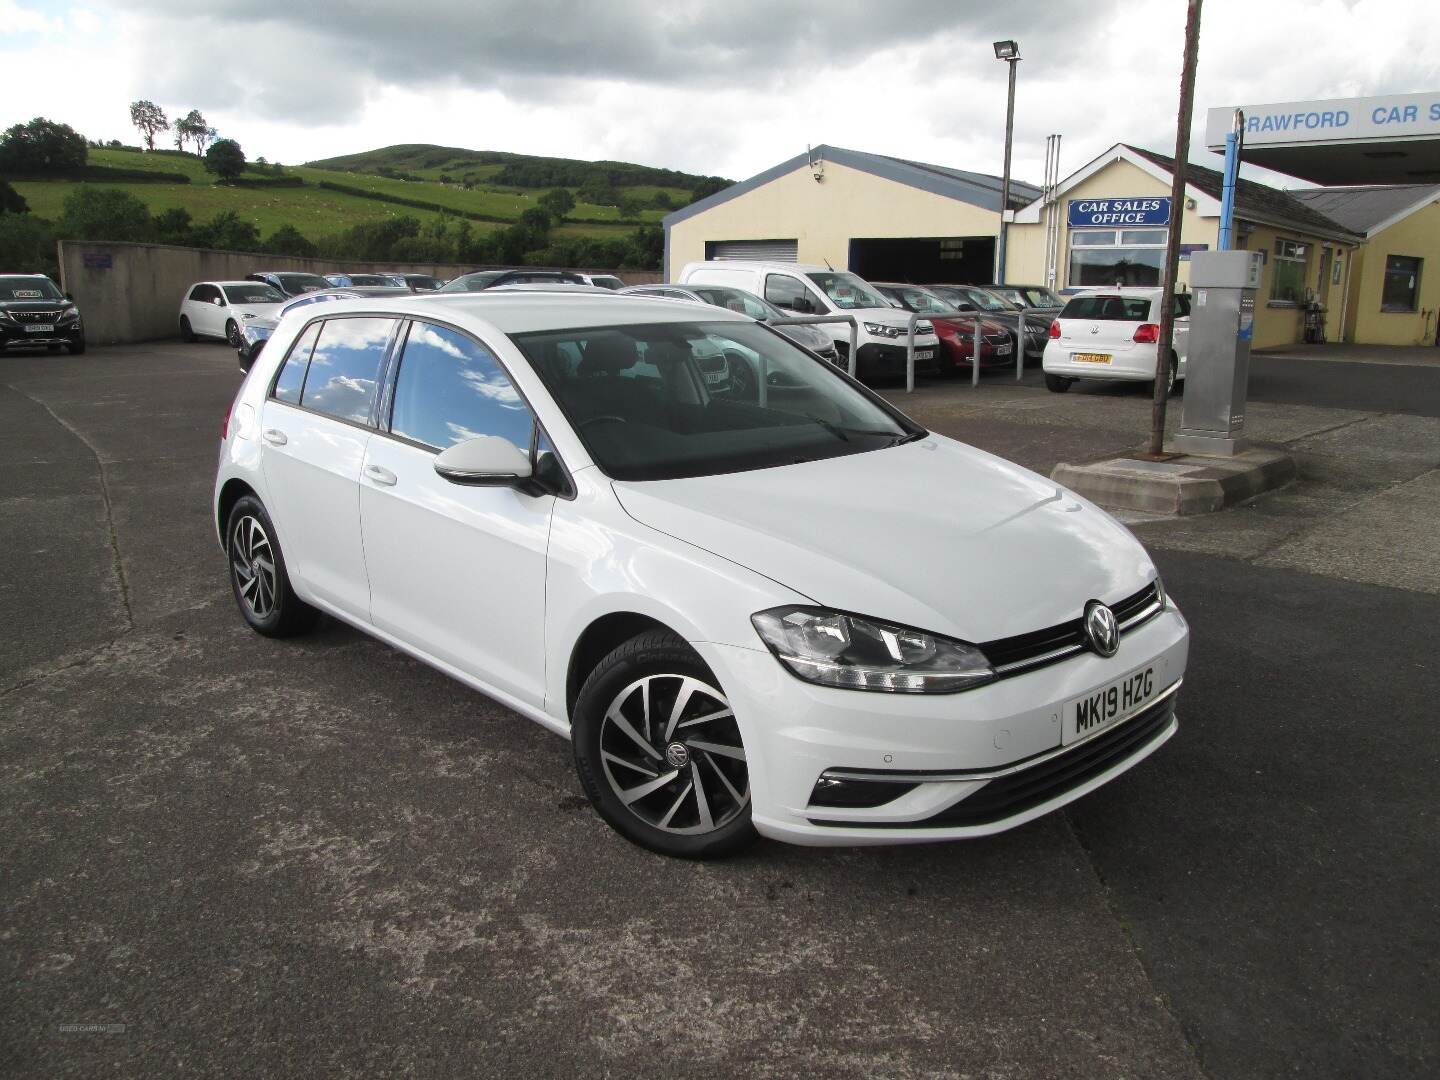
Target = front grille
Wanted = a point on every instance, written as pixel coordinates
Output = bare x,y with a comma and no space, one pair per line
1014,794
35,316
1026,652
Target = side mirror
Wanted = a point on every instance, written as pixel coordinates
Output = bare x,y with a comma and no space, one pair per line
219,301
70,297
965,307
485,461
803,306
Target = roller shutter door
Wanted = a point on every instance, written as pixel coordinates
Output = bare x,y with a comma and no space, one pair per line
757,250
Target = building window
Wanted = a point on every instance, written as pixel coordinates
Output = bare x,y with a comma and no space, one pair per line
1287,282
1117,256
1401,291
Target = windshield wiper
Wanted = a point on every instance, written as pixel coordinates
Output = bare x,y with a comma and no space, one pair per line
844,433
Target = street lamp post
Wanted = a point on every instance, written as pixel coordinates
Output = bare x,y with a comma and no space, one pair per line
1009,51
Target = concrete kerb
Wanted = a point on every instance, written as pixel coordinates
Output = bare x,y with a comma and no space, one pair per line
1181,485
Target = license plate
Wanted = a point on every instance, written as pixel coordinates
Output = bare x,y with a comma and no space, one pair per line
713,377
924,354
1108,705
1002,350
1091,357
40,328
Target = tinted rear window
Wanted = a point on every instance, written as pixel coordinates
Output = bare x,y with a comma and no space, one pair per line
1108,308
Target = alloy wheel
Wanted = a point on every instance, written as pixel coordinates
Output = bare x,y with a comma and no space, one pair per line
252,562
672,754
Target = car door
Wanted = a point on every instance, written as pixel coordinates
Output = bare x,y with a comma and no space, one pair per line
457,571
202,309
315,426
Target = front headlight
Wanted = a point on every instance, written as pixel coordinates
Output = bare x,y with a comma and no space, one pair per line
884,330
853,653
69,313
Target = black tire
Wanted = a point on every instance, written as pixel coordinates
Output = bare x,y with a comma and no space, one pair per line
232,335
661,660
53,348
281,613
78,345
1057,383
187,334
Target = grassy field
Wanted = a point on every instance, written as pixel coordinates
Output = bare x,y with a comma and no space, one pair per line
317,212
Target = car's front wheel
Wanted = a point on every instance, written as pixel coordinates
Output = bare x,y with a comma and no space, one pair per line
258,577
232,335
659,752
187,332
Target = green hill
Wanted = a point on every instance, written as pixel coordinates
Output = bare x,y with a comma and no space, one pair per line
328,200
496,168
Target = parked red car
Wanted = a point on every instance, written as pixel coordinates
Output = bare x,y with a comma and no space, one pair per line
957,336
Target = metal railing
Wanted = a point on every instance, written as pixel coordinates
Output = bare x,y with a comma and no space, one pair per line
1022,326
815,320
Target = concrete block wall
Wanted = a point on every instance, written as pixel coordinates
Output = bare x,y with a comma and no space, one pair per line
132,292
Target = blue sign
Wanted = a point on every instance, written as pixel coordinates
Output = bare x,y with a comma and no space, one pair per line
1186,249
1119,212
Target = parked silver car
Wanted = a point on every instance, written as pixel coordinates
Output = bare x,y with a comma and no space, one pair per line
733,299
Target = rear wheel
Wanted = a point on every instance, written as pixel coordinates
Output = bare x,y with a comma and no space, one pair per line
257,574
1057,383
187,333
659,752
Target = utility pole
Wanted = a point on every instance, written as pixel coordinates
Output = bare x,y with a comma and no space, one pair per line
1177,212
1009,51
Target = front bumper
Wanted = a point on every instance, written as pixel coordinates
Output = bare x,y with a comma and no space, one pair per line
15,336
795,732
874,359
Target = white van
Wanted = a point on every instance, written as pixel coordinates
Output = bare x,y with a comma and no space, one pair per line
817,290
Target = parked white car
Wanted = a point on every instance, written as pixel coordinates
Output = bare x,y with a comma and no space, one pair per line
218,309
801,615
1113,334
800,290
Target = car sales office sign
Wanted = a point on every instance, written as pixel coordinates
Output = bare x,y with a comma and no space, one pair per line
1086,213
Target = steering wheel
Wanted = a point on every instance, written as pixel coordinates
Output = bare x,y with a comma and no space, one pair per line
601,419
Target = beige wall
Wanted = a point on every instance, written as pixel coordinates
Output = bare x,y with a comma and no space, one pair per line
1418,236
137,296
822,218
1119,179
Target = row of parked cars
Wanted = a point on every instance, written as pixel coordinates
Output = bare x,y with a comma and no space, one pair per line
956,326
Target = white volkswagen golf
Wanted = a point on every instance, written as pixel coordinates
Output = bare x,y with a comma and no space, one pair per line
780,607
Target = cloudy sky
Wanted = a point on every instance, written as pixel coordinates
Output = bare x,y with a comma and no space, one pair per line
727,88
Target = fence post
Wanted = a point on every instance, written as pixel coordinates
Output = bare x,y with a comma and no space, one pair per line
1022,335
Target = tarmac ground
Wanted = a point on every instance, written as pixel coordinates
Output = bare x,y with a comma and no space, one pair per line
226,855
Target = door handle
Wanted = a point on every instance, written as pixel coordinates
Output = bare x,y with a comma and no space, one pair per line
381,475
275,437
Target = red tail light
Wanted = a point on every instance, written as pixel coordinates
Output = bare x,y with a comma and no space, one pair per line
1147,334
1054,327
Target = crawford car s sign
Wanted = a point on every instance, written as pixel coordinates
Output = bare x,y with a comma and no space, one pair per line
1112,212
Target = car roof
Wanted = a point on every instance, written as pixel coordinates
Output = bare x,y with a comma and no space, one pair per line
523,311
1121,290
223,284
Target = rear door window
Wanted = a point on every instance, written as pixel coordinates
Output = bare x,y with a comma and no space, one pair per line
450,388
345,368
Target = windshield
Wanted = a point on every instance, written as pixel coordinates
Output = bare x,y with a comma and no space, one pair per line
28,288
666,400
252,294
420,281
921,300
1039,296
737,300
472,282
297,283
985,301
846,291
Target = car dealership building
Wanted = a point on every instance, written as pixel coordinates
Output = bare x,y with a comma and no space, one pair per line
1349,256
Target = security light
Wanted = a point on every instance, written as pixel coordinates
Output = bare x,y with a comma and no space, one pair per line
1007,50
